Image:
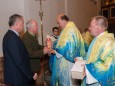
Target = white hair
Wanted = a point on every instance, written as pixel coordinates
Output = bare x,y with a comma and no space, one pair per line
29,24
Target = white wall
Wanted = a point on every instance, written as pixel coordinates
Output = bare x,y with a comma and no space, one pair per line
50,10
7,8
30,10
79,11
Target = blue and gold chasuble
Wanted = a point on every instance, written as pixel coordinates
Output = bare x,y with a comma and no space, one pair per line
87,39
51,61
101,59
70,45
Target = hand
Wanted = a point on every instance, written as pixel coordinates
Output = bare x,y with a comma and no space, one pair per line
78,58
75,59
84,72
47,50
53,52
35,76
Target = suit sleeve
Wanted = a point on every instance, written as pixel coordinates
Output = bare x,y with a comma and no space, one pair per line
33,52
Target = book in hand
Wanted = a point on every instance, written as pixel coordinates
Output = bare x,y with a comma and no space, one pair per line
78,70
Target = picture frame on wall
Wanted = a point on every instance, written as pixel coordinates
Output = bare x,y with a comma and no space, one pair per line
105,12
112,12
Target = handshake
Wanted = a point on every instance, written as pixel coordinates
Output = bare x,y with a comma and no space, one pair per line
48,50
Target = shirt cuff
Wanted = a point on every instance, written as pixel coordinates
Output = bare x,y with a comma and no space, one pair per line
89,78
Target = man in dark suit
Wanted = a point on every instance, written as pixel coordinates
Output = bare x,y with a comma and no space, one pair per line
17,71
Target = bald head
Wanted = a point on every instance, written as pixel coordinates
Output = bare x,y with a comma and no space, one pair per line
62,20
63,17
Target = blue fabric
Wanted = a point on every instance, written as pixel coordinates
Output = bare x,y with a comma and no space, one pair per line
70,45
51,61
86,47
101,59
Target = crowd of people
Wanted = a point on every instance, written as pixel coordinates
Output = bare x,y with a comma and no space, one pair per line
22,55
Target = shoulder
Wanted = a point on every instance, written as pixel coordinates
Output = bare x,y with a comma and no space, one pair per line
26,36
10,35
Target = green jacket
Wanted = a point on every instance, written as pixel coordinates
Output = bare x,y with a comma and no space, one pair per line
35,50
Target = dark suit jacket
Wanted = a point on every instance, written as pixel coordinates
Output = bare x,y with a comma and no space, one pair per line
35,50
17,71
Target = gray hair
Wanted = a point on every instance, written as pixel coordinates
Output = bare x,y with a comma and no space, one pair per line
29,24
101,21
14,18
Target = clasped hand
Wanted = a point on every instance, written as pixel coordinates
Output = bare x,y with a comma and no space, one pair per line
48,50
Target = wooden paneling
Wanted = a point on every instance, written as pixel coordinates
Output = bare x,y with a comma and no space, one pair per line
108,10
1,72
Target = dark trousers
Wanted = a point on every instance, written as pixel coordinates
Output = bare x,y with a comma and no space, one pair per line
31,83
